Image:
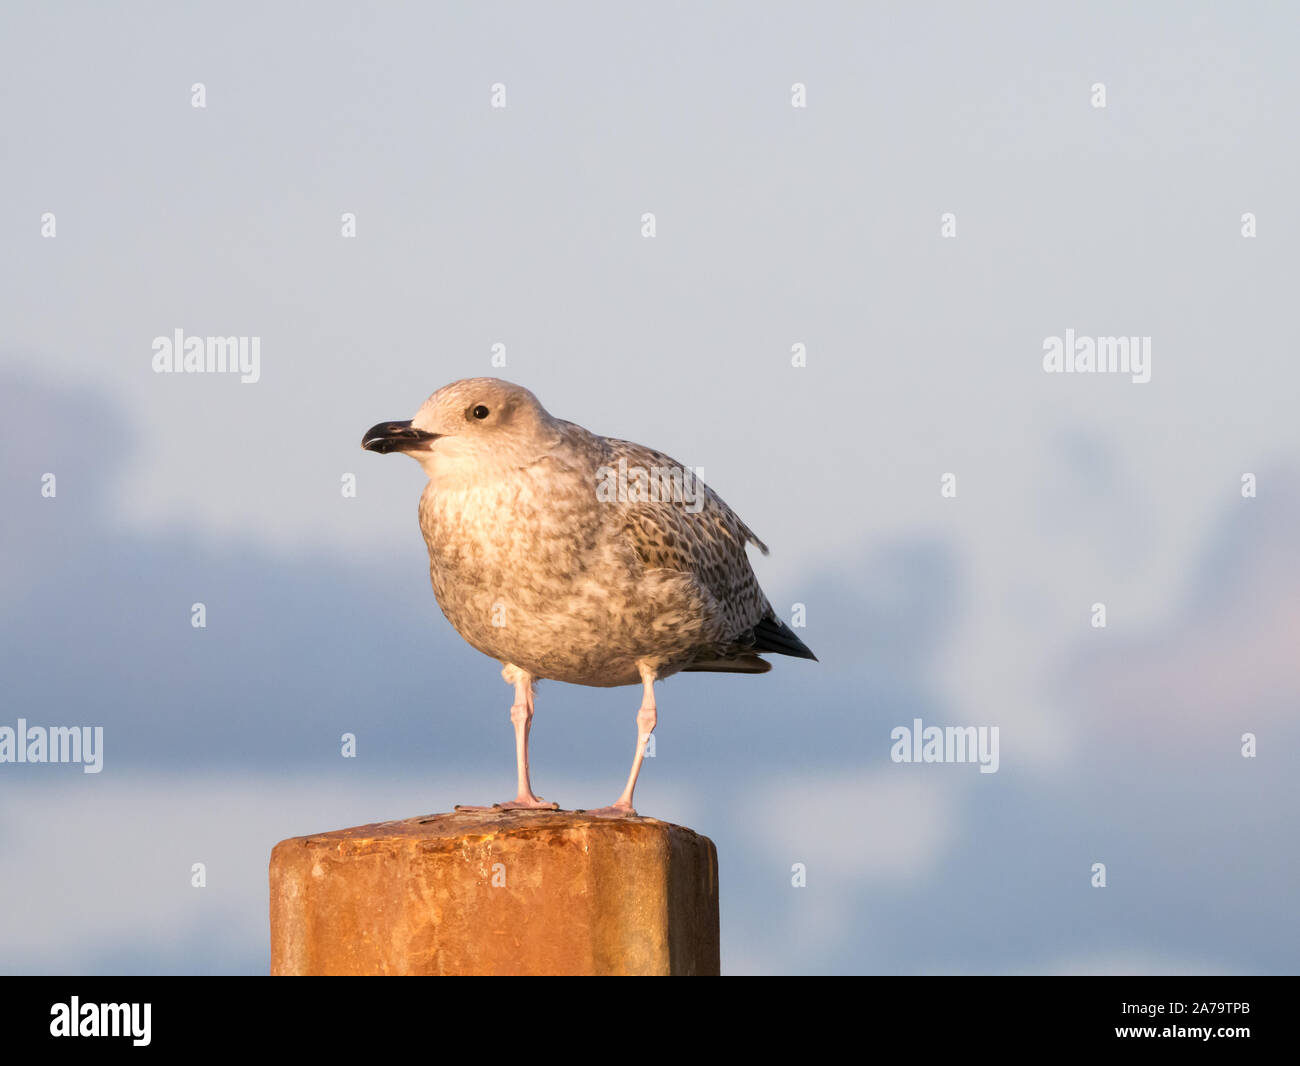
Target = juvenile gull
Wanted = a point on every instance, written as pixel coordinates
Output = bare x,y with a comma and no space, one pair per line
574,557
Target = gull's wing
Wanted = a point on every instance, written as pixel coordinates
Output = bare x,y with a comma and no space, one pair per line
687,527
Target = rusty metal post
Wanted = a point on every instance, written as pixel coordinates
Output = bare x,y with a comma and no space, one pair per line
499,892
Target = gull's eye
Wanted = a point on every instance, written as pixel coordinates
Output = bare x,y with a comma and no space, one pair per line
480,412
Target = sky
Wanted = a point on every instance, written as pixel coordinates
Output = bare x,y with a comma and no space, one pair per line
950,198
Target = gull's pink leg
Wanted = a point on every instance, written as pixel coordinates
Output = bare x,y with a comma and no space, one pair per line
646,719
521,714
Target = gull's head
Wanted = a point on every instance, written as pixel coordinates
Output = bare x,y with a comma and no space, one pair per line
468,428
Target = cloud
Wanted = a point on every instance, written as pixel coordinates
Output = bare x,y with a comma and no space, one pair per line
821,817
1133,964
1224,660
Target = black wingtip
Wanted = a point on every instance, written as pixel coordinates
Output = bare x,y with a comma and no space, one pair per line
773,635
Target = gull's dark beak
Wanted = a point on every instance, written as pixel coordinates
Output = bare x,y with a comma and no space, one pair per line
396,437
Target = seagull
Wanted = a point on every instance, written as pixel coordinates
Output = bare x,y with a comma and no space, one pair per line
569,556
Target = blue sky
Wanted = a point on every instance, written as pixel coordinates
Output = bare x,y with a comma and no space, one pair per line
775,226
